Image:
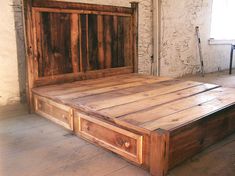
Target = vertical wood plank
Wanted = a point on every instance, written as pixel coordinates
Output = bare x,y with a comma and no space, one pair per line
120,42
159,152
127,42
28,23
135,24
107,43
93,42
83,42
87,44
56,44
46,37
115,42
74,42
37,43
80,43
100,41
65,65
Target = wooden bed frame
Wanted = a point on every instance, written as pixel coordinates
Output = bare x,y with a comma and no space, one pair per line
82,74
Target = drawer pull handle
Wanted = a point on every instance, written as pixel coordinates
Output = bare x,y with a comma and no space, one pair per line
87,127
64,117
127,144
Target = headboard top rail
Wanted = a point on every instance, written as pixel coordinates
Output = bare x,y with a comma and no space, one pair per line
81,6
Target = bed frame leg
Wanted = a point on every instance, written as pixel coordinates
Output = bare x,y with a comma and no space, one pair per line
159,152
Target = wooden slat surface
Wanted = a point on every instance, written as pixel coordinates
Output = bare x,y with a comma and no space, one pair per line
142,102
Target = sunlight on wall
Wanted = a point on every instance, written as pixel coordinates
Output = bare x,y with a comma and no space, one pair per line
223,26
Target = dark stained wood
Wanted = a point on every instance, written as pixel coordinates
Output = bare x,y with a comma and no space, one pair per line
56,52
75,42
68,43
128,58
29,42
93,42
115,42
135,24
101,41
108,21
120,44
84,51
81,76
80,6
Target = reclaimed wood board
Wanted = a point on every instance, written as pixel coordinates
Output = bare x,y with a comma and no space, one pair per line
154,122
81,65
68,41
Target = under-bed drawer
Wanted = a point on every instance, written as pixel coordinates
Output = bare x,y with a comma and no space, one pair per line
125,143
56,112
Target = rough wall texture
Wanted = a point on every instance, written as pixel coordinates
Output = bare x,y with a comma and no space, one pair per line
179,52
9,87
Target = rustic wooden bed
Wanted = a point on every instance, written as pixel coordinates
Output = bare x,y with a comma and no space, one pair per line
82,64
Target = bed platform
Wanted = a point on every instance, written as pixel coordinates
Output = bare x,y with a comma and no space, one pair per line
82,63
154,122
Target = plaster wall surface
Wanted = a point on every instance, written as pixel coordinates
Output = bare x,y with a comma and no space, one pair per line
179,51
9,85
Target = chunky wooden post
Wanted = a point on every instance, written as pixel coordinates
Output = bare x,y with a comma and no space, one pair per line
135,24
159,152
28,30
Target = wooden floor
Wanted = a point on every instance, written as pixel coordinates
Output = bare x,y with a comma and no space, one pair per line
33,146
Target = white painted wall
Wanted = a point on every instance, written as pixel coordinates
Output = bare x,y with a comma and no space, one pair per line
9,85
179,53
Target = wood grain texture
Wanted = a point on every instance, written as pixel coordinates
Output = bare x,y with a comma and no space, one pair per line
159,153
29,43
75,42
115,139
80,6
73,39
175,119
196,136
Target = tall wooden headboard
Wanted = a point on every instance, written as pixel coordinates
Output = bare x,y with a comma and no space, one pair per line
68,41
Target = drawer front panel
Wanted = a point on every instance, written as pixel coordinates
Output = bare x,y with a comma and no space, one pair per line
56,112
120,141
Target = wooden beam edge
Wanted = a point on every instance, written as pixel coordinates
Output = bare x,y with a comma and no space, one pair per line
159,152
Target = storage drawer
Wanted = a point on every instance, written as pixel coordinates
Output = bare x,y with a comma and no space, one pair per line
56,112
122,142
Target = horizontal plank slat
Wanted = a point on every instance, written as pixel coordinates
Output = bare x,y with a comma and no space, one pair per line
141,105
107,88
143,95
81,6
190,115
163,110
50,80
